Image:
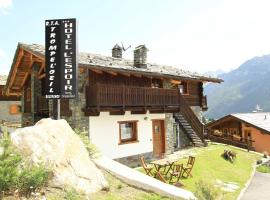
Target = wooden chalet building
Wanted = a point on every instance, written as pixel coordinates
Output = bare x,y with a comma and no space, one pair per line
10,109
245,130
127,107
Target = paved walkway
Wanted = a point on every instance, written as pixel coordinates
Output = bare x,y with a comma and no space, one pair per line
259,188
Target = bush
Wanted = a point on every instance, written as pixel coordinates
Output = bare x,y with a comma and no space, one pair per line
263,169
71,194
9,164
206,191
15,173
259,162
90,147
32,178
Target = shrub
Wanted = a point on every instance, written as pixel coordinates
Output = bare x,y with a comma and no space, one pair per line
15,173
207,191
263,169
259,162
90,147
9,164
32,178
71,194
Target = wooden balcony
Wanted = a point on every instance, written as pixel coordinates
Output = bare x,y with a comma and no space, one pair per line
107,98
118,99
230,140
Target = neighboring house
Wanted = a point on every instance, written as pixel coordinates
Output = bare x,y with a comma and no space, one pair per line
127,107
239,129
9,105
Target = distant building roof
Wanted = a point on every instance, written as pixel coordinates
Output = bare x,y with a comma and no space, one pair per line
107,62
260,119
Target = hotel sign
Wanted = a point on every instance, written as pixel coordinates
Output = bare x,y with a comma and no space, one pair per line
61,59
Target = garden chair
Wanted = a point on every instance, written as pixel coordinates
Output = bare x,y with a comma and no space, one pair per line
177,171
188,167
162,179
146,167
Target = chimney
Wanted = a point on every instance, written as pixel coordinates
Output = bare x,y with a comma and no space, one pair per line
117,51
140,56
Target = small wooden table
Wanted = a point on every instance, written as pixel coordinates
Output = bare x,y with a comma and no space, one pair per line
163,163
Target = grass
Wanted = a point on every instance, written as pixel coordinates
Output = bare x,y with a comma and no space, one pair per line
118,190
210,166
263,169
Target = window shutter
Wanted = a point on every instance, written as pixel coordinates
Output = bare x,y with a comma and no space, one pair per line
13,109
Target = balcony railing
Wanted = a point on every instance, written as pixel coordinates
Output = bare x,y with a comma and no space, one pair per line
243,143
99,95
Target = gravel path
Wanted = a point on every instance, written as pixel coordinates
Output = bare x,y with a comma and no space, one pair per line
259,188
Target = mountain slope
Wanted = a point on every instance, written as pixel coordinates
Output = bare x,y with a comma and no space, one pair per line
242,89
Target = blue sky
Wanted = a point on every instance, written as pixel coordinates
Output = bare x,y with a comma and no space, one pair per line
191,34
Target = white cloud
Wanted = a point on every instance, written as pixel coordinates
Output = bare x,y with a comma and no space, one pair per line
4,6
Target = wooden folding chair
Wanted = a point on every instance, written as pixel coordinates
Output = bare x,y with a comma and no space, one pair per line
177,171
146,167
162,179
188,168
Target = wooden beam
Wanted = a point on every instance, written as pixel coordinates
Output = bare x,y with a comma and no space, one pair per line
24,70
125,74
117,112
41,76
138,112
137,75
112,73
82,70
175,82
18,61
42,67
97,71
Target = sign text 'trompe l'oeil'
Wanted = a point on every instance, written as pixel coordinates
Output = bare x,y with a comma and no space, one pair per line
52,58
61,58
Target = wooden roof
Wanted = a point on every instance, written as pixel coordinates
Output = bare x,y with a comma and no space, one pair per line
27,54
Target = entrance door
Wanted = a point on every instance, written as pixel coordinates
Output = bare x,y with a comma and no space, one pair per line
158,138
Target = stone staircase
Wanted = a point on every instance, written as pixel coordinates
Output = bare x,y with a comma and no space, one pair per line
183,124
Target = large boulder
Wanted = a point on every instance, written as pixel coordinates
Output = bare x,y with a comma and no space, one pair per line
55,144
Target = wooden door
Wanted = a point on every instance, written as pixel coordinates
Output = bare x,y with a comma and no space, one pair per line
158,138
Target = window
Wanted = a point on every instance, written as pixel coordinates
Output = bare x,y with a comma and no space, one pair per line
183,87
127,132
14,109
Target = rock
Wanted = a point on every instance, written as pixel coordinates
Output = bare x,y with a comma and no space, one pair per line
54,143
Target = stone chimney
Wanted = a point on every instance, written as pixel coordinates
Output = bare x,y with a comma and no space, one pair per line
117,51
140,56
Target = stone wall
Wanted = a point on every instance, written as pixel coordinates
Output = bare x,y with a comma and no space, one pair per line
78,120
169,137
184,141
35,92
5,112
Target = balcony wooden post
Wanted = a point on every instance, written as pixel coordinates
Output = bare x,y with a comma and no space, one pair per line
123,97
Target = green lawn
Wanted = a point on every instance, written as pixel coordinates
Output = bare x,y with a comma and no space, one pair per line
210,166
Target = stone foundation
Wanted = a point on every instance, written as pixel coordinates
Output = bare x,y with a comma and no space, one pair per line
134,161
